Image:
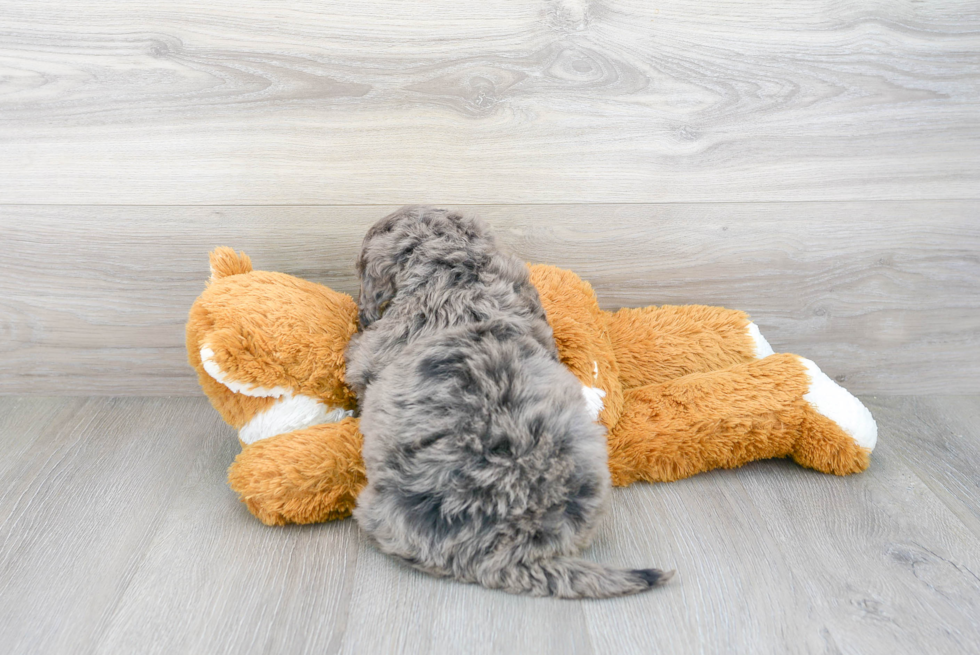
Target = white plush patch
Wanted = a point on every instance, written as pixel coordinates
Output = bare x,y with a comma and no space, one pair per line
762,347
290,413
593,401
837,404
255,391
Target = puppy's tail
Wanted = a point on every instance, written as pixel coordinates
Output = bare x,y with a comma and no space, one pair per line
567,577
225,262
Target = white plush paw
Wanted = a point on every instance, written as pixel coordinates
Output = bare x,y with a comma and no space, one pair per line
762,347
837,404
288,414
593,401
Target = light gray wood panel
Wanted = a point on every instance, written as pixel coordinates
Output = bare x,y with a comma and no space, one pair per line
215,580
79,510
118,534
884,296
773,558
238,102
939,440
398,610
22,421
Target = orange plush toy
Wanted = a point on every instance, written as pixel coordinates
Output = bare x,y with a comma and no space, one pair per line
680,390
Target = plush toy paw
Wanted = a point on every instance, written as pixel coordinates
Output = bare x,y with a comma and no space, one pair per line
839,432
304,476
762,347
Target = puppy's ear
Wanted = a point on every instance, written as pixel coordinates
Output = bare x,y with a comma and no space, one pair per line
377,290
377,268
385,253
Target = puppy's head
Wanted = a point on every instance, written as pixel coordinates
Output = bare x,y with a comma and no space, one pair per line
406,247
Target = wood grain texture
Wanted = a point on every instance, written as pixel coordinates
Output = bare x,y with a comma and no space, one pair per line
774,558
884,296
242,102
118,534
445,617
79,508
940,441
23,421
215,580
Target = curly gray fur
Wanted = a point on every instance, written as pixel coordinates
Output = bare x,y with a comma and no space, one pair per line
483,463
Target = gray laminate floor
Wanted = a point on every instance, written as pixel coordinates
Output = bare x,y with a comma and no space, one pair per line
118,534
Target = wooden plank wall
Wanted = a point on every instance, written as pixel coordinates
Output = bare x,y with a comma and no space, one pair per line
883,295
817,165
385,101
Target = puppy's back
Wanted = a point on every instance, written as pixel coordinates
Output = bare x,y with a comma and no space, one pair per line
482,461
485,466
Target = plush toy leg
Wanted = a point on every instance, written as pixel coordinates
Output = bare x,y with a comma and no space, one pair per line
657,344
305,476
774,407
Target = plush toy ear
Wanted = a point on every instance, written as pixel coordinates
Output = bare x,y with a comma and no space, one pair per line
225,262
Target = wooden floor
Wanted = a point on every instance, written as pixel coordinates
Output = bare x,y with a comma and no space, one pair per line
118,534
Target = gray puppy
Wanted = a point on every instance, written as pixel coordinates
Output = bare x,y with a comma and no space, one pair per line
483,463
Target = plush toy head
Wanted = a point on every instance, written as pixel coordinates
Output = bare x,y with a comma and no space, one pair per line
268,339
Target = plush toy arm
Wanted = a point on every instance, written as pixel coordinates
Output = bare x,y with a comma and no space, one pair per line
656,344
305,476
774,407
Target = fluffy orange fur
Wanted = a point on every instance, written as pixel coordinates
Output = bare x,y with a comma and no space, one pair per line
304,476
684,392
688,339
269,330
724,419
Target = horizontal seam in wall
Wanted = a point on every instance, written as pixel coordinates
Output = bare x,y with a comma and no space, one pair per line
501,204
